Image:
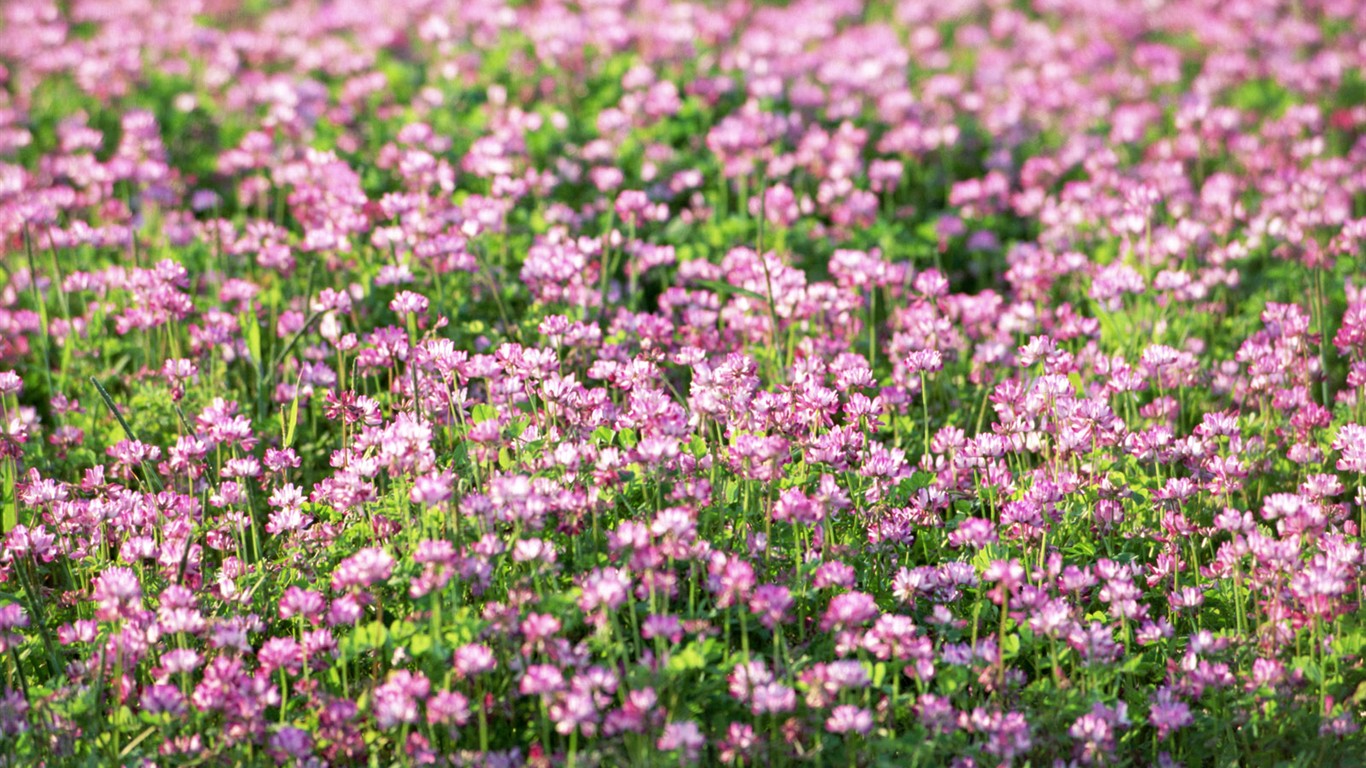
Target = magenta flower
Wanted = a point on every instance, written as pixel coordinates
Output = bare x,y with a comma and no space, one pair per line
473,659
848,610
847,718
118,594
1351,442
683,737
409,303
1167,713
362,569
396,701
448,708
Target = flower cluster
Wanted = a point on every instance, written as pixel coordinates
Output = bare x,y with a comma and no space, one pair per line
484,383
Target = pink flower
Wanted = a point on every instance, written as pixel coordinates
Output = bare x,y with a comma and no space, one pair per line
118,594
848,718
1351,441
1167,713
409,303
362,569
848,610
683,737
473,659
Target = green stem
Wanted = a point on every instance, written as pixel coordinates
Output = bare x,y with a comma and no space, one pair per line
152,479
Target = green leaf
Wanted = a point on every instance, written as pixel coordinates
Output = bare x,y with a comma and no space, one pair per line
11,511
463,627
369,636
982,559
1010,646
687,658
293,420
253,331
420,644
402,629
1310,667
726,289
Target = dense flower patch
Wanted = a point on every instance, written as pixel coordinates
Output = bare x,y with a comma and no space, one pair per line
486,383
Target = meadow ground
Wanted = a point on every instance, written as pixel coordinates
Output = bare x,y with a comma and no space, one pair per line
656,383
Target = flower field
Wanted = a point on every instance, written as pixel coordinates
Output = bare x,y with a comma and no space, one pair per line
666,383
